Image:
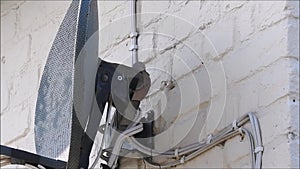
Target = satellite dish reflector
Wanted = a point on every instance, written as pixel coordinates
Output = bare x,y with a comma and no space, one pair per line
71,65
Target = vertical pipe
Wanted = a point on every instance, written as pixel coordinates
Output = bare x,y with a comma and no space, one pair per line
133,35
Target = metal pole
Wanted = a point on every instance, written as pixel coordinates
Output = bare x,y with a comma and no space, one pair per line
133,35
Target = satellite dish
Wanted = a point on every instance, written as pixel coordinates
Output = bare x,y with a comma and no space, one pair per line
68,78
52,126
67,112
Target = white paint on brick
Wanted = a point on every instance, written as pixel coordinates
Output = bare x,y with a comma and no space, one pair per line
246,52
222,41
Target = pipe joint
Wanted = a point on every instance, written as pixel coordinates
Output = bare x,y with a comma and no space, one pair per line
259,149
133,47
133,35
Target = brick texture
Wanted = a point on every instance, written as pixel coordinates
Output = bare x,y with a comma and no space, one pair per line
227,58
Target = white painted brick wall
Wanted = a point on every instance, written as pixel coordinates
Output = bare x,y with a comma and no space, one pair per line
228,58
27,32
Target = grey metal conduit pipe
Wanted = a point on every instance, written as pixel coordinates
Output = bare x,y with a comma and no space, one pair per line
187,149
202,150
170,153
119,143
236,129
198,148
194,154
104,134
258,140
133,35
128,132
250,137
176,152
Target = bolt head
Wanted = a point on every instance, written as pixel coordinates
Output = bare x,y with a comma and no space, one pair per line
120,78
104,77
